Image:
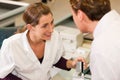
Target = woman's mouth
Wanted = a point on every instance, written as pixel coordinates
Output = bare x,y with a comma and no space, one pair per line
48,35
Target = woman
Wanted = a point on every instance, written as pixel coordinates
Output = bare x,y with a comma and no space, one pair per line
30,55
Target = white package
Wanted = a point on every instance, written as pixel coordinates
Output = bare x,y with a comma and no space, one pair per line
72,37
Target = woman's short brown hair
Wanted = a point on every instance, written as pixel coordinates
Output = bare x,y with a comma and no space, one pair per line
33,14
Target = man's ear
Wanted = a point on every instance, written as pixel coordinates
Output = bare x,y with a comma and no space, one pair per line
80,15
29,26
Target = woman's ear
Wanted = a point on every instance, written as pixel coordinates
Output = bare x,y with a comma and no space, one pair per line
29,26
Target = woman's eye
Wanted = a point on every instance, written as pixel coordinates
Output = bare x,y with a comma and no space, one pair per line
52,22
45,25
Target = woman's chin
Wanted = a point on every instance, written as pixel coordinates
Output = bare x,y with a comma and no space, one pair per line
48,38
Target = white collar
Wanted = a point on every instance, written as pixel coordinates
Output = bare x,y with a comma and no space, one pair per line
104,22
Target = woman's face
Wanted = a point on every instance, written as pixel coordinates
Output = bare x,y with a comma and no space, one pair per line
44,29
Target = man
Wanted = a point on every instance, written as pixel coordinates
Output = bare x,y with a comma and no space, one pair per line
96,17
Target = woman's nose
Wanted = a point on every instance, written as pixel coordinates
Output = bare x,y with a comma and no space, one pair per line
51,28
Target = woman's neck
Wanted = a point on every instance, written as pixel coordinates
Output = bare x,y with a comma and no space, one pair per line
34,41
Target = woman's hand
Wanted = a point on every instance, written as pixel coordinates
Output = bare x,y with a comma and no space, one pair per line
72,63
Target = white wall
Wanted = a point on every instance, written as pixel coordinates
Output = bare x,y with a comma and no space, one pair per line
115,5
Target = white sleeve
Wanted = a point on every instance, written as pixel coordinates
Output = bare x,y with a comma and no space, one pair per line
6,59
59,53
60,48
100,66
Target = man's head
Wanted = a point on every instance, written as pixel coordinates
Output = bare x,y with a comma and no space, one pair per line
87,13
94,9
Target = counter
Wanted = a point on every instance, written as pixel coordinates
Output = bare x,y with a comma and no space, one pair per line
9,10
